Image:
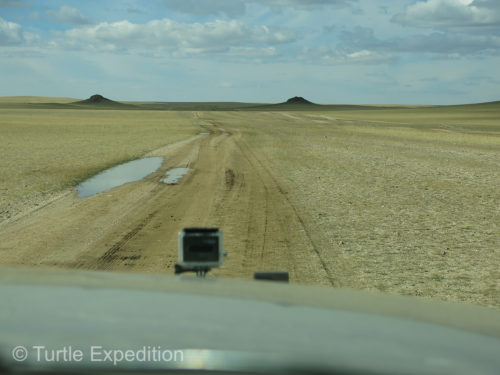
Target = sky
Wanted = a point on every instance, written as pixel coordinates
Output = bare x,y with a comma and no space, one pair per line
328,51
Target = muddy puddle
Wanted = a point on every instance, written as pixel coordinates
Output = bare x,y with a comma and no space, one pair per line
119,175
172,176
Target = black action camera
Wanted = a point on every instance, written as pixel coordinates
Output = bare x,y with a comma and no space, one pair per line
200,249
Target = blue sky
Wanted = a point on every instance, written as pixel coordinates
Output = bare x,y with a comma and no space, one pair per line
329,51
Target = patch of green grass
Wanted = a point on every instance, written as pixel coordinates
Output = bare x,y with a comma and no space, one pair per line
437,277
46,151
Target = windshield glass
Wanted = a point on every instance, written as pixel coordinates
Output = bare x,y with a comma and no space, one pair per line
339,143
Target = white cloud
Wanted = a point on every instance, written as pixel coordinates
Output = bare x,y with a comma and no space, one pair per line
307,3
442,42
326,55
236,8
448,44
34,16
180,39
252,51
11,34
14,4
358,57
225,84
231,8
451,13
68,16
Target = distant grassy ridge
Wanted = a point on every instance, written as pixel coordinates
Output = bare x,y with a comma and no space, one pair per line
194,106
149,106
317,107
33,102
34,99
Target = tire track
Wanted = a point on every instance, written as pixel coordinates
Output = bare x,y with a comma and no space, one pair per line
257,231
230,177
259,168
290,204
134,227
113,253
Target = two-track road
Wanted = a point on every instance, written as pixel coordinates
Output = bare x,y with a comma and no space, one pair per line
134,227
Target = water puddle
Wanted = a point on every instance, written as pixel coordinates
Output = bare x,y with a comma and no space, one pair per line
205,133
174,175
119,175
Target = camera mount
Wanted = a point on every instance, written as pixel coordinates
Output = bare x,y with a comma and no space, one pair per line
200,250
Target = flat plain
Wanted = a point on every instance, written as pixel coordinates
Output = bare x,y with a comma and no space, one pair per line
402,199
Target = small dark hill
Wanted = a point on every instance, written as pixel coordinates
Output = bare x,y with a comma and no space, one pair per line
297,103
99,101
297,100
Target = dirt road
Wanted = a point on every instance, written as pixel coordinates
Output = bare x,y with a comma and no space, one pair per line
134,227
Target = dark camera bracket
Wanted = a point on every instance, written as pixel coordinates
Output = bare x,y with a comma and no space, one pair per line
200,271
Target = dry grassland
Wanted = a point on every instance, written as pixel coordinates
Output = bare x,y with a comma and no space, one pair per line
45,151
403,200
400,201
